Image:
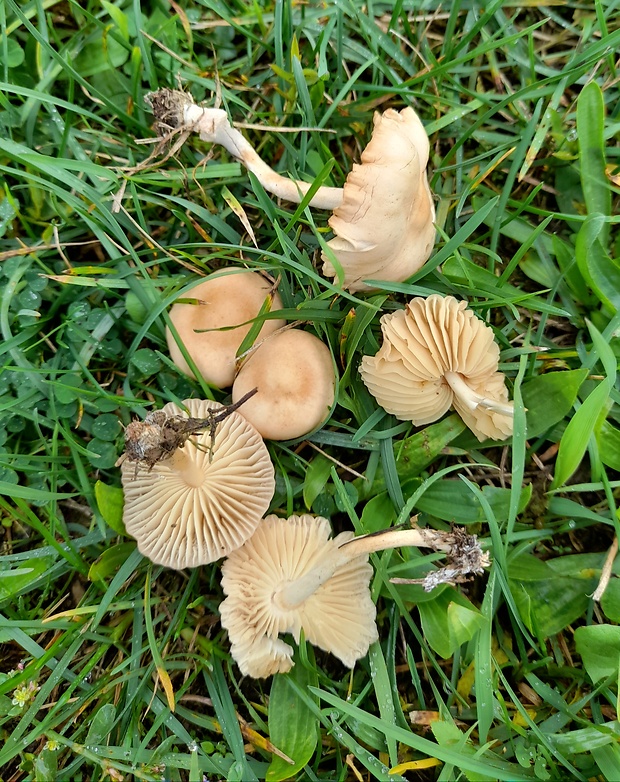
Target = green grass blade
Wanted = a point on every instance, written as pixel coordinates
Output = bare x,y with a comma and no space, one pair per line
590,134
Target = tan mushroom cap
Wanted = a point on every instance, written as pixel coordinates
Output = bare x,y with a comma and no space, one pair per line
384,227
294,373
437,354
338,616
201,503
231,296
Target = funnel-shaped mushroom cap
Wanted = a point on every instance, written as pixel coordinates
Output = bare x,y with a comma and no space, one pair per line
203,501
338,616
294,374
384,227
437,354
228,298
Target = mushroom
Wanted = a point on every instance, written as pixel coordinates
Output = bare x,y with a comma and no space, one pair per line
294,374
437,354
384,227
383,217
290,576
213,329
175,109
203,499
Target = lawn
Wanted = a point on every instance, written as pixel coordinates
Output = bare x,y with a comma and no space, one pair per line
113,667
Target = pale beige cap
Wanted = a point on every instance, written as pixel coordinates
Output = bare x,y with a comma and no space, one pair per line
437,354
294,374
228,297
384,228
206,499
338,615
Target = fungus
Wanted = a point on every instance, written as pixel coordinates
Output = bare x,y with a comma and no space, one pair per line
174,109
383,216
213,329
290,576
384,227
437,354
294,374
203,499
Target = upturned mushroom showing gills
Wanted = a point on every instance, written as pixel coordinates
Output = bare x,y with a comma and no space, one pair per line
436,354
203,499
290,575
293,373
383,217
213,327
384,228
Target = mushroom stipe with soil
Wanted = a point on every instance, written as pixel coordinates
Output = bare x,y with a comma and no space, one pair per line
160,434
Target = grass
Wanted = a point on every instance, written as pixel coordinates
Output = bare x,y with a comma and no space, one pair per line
116,669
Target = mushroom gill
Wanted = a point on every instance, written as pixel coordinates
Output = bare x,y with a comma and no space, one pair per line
203,500
292,576
437,354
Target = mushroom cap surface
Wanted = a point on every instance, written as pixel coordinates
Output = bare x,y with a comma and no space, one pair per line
294,373
230,297
384,227
202,502
437,354
339,617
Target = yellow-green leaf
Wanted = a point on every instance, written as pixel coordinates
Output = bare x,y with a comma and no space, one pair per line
110,503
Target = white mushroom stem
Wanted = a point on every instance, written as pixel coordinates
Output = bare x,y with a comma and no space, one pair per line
186,467
214,126
473,400
291,594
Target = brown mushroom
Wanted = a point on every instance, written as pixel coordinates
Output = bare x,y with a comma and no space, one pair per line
228,298
384,227
290,576
205,498
437,354
294,374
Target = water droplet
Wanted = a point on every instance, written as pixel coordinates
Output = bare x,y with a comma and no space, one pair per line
78,310
29,298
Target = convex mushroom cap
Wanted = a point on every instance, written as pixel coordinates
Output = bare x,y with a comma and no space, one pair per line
384,227
225,299
437,354
206,498
291,576
294,374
